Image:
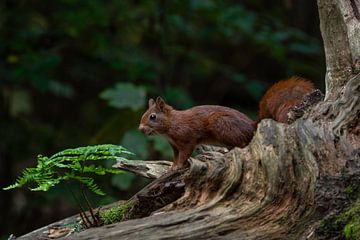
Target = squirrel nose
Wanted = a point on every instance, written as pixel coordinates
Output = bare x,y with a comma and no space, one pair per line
141,128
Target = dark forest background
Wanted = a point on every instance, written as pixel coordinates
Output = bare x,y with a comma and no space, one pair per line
79,72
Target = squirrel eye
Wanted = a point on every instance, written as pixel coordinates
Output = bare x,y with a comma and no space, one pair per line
153,117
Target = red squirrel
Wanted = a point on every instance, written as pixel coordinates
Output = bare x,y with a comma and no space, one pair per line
218,125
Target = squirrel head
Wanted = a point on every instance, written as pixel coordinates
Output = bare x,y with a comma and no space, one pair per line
156,118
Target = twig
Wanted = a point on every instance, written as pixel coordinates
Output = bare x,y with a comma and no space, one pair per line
148,169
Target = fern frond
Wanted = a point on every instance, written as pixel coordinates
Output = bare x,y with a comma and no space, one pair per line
93,152
28,175
12,186
90,184
70,164
99,170
46,184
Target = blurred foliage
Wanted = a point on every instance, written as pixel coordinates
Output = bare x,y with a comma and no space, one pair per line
77,72
125,95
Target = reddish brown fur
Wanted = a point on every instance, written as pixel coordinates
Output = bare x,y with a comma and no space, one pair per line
202,124
283,95
216,124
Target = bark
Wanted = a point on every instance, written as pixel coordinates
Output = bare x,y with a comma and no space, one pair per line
280,185
148,169
339,24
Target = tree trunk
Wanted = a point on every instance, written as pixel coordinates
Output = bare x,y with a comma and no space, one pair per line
339,23
284,182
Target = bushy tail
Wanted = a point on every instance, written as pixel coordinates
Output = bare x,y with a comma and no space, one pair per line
283,95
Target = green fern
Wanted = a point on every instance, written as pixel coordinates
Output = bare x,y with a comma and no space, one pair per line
71,164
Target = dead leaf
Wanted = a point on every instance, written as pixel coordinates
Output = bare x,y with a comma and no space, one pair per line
57,232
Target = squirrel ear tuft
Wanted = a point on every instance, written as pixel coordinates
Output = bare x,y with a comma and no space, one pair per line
151,102
160,103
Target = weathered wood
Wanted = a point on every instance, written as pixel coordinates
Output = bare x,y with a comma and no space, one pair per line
340,29
148,169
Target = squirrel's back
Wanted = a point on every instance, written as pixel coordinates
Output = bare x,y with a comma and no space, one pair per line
283,95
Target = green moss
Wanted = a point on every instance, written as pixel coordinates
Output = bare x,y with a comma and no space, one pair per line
353,191
352,220
349,190
114,214
346,225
